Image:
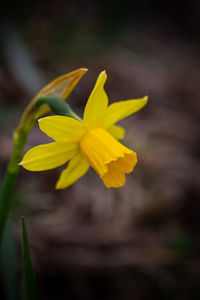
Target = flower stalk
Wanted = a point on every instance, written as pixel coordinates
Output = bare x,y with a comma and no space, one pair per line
19,140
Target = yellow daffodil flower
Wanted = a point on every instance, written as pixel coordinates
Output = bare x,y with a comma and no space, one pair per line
91,142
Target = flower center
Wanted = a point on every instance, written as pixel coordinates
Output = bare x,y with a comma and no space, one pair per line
109,158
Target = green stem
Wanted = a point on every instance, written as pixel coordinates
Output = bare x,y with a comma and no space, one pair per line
19,141
5,204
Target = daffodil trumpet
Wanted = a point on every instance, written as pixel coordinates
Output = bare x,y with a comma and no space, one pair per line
91,142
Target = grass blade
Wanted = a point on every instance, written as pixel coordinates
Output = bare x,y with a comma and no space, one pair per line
28,283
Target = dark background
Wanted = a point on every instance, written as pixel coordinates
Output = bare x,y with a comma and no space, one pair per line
88,242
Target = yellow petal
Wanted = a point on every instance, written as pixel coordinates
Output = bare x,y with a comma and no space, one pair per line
122,109
97,104
60,87
61,128
117,132
49,156
77,167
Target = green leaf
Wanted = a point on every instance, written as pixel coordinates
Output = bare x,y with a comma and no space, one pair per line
28,283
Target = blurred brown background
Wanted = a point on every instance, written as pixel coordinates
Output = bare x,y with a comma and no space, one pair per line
88,242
